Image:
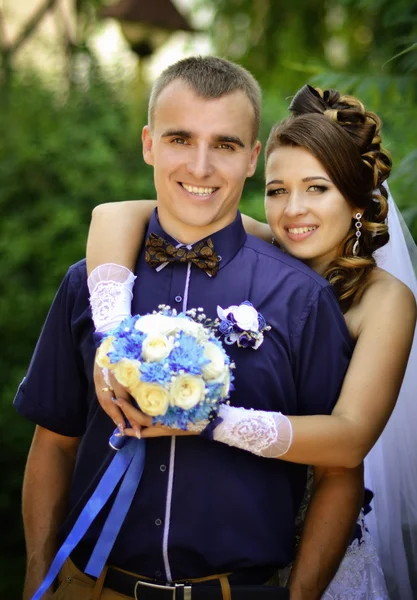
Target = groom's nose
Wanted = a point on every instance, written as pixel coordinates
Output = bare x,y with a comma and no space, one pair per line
200,163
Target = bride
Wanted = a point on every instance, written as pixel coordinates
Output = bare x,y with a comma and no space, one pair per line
326,204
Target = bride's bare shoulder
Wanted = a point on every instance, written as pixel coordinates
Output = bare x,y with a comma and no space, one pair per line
385,293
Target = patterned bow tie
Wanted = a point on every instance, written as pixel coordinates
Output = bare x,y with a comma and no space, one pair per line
203,255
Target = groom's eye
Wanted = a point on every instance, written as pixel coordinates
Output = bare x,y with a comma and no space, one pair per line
226,147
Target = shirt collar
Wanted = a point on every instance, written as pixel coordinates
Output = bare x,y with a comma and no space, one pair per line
227,242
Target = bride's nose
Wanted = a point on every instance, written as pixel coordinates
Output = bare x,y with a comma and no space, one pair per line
295,205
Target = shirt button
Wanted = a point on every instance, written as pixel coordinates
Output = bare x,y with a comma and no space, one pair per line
158,522
178,298
163,468
220,257
158,574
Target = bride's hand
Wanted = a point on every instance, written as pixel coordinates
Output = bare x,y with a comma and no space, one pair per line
147,430
106,395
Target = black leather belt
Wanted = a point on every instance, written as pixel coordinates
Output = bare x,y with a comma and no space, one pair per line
129,585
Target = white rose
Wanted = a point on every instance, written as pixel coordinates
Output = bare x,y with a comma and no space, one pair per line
187,391
155,324
246,317
189,327
156,347
152,399
215,367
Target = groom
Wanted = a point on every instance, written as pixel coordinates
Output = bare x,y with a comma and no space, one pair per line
203,509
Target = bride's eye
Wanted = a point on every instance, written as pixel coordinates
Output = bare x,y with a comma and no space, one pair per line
276,192
317,188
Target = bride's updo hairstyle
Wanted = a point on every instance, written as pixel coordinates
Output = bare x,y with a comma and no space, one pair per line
345,139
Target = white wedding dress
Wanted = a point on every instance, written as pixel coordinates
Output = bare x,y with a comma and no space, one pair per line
382,564
360,575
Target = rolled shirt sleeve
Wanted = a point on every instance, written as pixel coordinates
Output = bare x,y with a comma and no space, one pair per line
54,392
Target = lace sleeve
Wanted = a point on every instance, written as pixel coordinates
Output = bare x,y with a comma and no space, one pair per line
110,288
264,433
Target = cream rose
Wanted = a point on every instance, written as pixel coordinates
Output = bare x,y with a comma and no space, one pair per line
187,391
215,367
105,347
152,399
156,347
127,372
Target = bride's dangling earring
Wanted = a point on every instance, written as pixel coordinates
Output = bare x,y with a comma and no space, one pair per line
358,225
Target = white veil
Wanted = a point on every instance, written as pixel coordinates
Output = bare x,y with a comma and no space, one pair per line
391,465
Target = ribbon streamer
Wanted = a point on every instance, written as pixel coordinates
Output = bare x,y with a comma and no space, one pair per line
129,460
117,513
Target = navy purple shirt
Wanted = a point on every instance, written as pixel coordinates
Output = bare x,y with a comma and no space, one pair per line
202,507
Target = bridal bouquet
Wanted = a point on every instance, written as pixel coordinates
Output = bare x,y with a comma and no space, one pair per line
172,365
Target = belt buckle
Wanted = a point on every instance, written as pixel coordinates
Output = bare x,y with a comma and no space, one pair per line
171,588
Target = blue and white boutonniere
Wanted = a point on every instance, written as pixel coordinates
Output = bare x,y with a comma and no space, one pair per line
242,325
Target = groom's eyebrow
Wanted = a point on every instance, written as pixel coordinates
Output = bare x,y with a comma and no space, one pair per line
177,133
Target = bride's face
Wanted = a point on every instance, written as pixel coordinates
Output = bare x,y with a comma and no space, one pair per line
308,215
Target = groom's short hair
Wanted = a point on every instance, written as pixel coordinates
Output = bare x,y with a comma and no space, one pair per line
210,77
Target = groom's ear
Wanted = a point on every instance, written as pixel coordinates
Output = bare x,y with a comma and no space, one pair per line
254,158
147,145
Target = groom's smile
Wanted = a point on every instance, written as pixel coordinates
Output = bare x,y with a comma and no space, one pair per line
202,152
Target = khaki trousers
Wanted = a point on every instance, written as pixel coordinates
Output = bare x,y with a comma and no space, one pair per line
73,584
76,585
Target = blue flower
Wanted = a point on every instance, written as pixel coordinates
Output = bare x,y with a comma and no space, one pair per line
261,321
226,327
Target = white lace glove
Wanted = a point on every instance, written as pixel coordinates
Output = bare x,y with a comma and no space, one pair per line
110,288
261,432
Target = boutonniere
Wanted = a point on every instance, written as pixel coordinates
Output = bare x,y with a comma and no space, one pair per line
242,325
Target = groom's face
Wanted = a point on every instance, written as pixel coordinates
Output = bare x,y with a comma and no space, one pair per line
202,152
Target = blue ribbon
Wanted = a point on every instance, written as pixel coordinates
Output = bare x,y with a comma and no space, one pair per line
118,512
129,460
